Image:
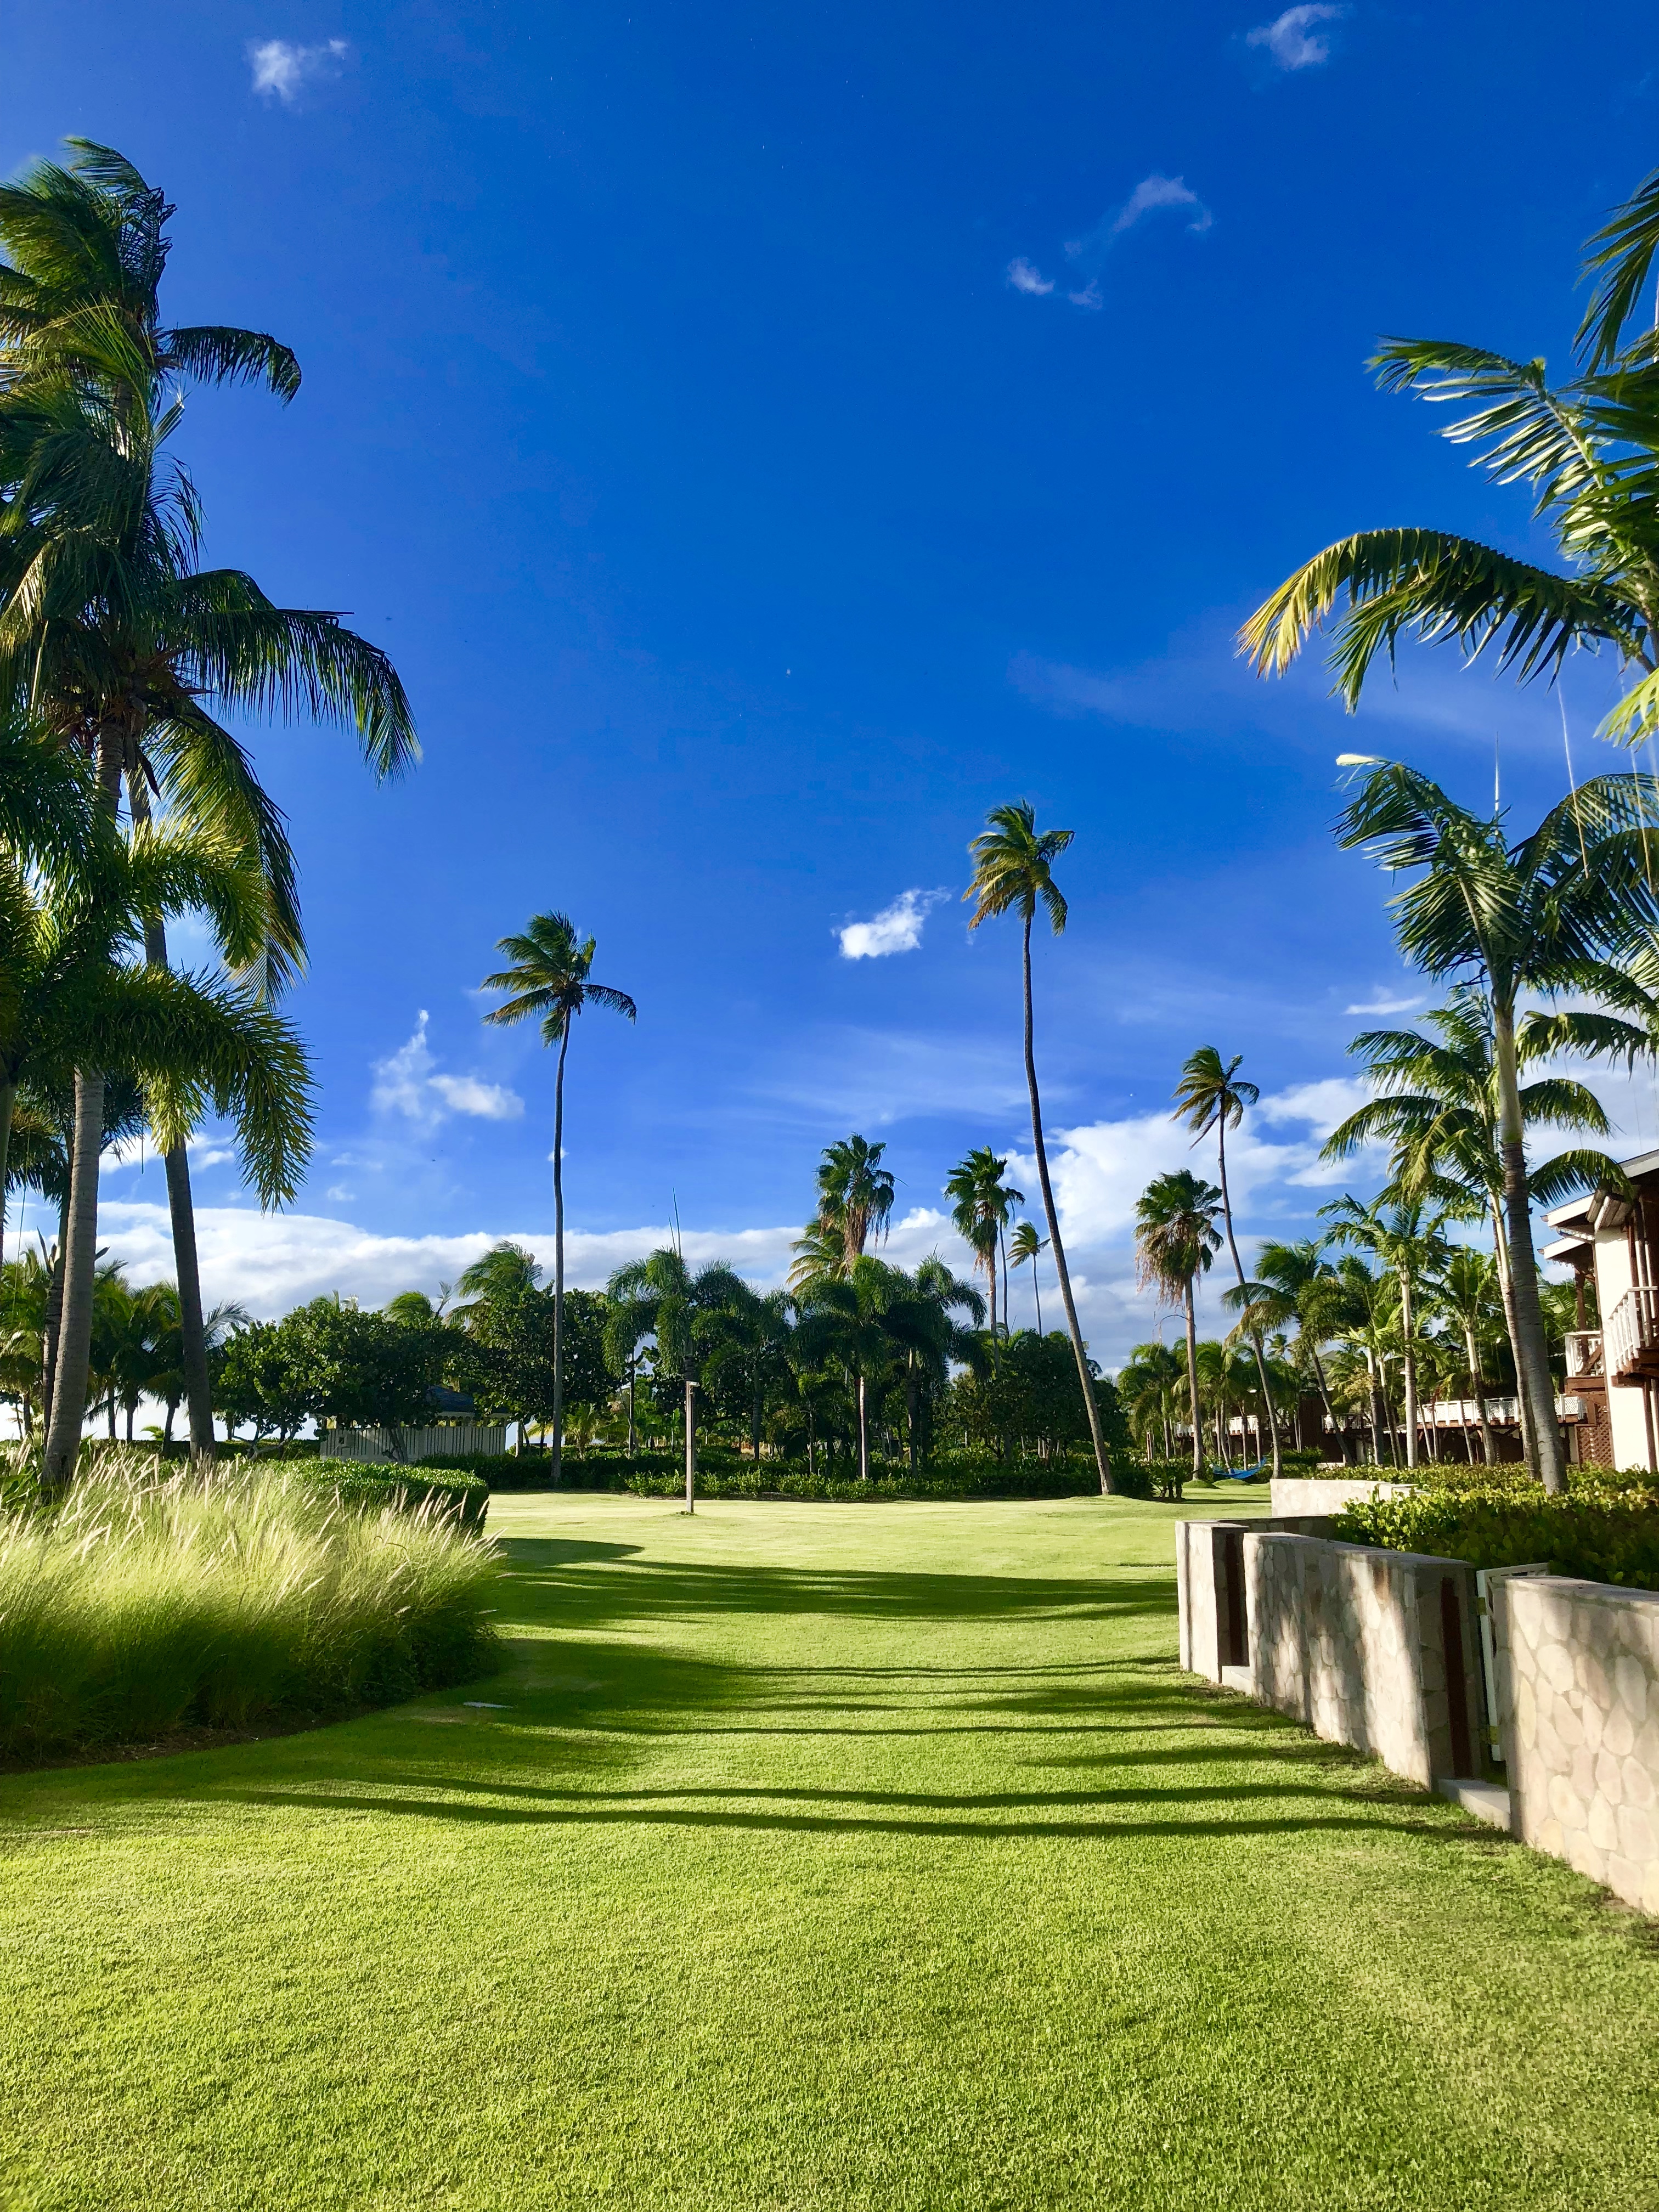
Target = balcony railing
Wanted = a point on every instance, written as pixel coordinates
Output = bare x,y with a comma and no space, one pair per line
1632,1331
1584,1351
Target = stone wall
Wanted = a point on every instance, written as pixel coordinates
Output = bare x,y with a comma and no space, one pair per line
1298,1495
1578,1717
1351,1642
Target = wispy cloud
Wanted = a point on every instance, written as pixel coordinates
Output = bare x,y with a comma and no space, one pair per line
282,69
1290,39
409,1082
1025,278
1385,1006
1150,196
897,928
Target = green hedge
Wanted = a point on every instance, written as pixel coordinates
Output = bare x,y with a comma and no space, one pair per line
1599,1534
373,1483
780,1481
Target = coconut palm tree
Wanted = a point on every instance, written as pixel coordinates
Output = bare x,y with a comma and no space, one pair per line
1175,1241
983,1198
1587,449
1537,916
1406,1239
748,1335
106,624
1013,871
1212,1094
855,1194
1467,1297
77,1003
549,978
1149,1387
858,1320
1294,1286
1026,1247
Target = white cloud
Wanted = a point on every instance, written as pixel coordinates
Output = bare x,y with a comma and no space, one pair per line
1025,278
1090,296
1159,191
897,928
1290,39
1386,1005
283,69
406,1082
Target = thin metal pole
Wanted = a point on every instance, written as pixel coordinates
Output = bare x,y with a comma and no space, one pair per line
690,1448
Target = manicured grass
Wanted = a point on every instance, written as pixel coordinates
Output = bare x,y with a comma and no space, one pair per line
823,1857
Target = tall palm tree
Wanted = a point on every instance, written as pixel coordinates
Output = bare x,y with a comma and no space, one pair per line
855,1194
1587,448
1026,1247
106,624
1212,1094
1467,1295
1294,1286
1406,1239
660,1298
1438,1105
747,1334
1536,916
1149,1386
859,1319
1013,870
549,980
77,1003
1175,1241
983,1199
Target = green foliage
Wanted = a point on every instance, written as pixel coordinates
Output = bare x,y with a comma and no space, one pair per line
1025,1394
371,1485
509,1351
1159,1479
1596,1532
989,1481
151,1602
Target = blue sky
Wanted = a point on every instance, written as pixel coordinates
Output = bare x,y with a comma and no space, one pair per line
767,439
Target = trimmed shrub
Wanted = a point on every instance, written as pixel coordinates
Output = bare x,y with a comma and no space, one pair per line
1601,1534
373,1485
778,1480
147,1603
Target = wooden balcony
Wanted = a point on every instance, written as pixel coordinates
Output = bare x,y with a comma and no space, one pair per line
1584,1351
1631,1336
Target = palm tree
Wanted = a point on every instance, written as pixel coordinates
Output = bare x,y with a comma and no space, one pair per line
1212,1096
549,978
929,1338
747,1334
74,1003
1294,1286
1175,1241
106,624
1536,916
1408,1241
1013,869
1149,1386
1467,1295
855,1194
1439,1106
1587,448
1025,1245
660,1298
984,1200
859,1319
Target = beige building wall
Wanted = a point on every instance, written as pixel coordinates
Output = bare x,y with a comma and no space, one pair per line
1625,1407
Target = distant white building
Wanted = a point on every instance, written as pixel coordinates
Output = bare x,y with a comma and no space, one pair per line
1613,1370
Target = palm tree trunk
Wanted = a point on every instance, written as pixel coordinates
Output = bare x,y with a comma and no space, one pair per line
911,1416
863,1434
1192,1380
7,1101
52,1323
1254,1333
181,1206
632,1434
1091,1407
1501,1261
1037,1292
557,1467
1476,1385
1531,1350
1410,1365
69,1394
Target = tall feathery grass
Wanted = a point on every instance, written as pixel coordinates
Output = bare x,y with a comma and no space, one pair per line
148,1603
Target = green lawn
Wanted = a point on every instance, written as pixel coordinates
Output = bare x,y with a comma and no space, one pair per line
840,1856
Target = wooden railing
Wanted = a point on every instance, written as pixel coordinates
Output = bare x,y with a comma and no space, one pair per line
1584,1351
1632,1330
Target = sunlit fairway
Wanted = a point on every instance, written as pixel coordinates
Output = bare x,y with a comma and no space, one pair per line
818,1857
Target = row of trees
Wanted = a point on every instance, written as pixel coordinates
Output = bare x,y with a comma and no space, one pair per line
1547,943
124,798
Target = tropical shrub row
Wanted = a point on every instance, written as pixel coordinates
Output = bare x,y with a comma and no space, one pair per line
1601,1533
782,1481
373,1485
147,1604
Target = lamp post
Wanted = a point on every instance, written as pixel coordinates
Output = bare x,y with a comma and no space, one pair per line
690,1446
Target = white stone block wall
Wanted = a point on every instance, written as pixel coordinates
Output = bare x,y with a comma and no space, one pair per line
1579,1712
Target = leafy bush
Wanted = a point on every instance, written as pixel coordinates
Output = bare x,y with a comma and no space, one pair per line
1160,1479
1601,1533
1512,1475
457,1495
147,1603
778,1480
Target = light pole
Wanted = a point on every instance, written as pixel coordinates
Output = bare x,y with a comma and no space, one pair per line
690,1446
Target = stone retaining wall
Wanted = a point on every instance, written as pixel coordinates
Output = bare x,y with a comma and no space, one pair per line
1578,1717
1350,1640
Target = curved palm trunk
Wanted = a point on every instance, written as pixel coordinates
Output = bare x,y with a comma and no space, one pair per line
1531,1350
1090,1405
557,1468
181,1206
1192,1379
1254,1333
1037,1293
69,1393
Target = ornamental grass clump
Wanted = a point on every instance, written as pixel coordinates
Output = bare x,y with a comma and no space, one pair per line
1596,1532
147,1604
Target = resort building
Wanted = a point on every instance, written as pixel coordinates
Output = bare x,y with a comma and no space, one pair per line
1612,1245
